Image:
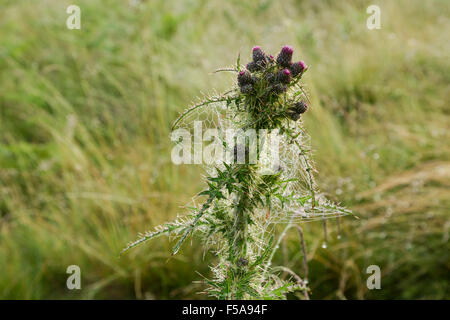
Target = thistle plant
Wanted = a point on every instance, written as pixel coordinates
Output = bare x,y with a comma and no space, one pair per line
243,205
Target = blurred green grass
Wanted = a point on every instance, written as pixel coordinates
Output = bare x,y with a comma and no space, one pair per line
85,118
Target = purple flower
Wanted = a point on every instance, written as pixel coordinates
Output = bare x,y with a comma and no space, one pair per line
284,58
244,78
297,68
259,57
284,76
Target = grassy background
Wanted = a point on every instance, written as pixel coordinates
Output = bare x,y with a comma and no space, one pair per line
85,119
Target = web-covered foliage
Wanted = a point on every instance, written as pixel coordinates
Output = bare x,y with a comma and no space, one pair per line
243,202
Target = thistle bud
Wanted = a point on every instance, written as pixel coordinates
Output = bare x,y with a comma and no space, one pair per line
244,78
284,58
284,76
296,110
259,56
253,66
297,68
301,107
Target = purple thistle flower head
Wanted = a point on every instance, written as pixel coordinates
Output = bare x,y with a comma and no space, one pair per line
284,58
284,76
287,50
244,78
259,56
297,68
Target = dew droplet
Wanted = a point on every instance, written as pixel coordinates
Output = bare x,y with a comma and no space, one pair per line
324,245
339,237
